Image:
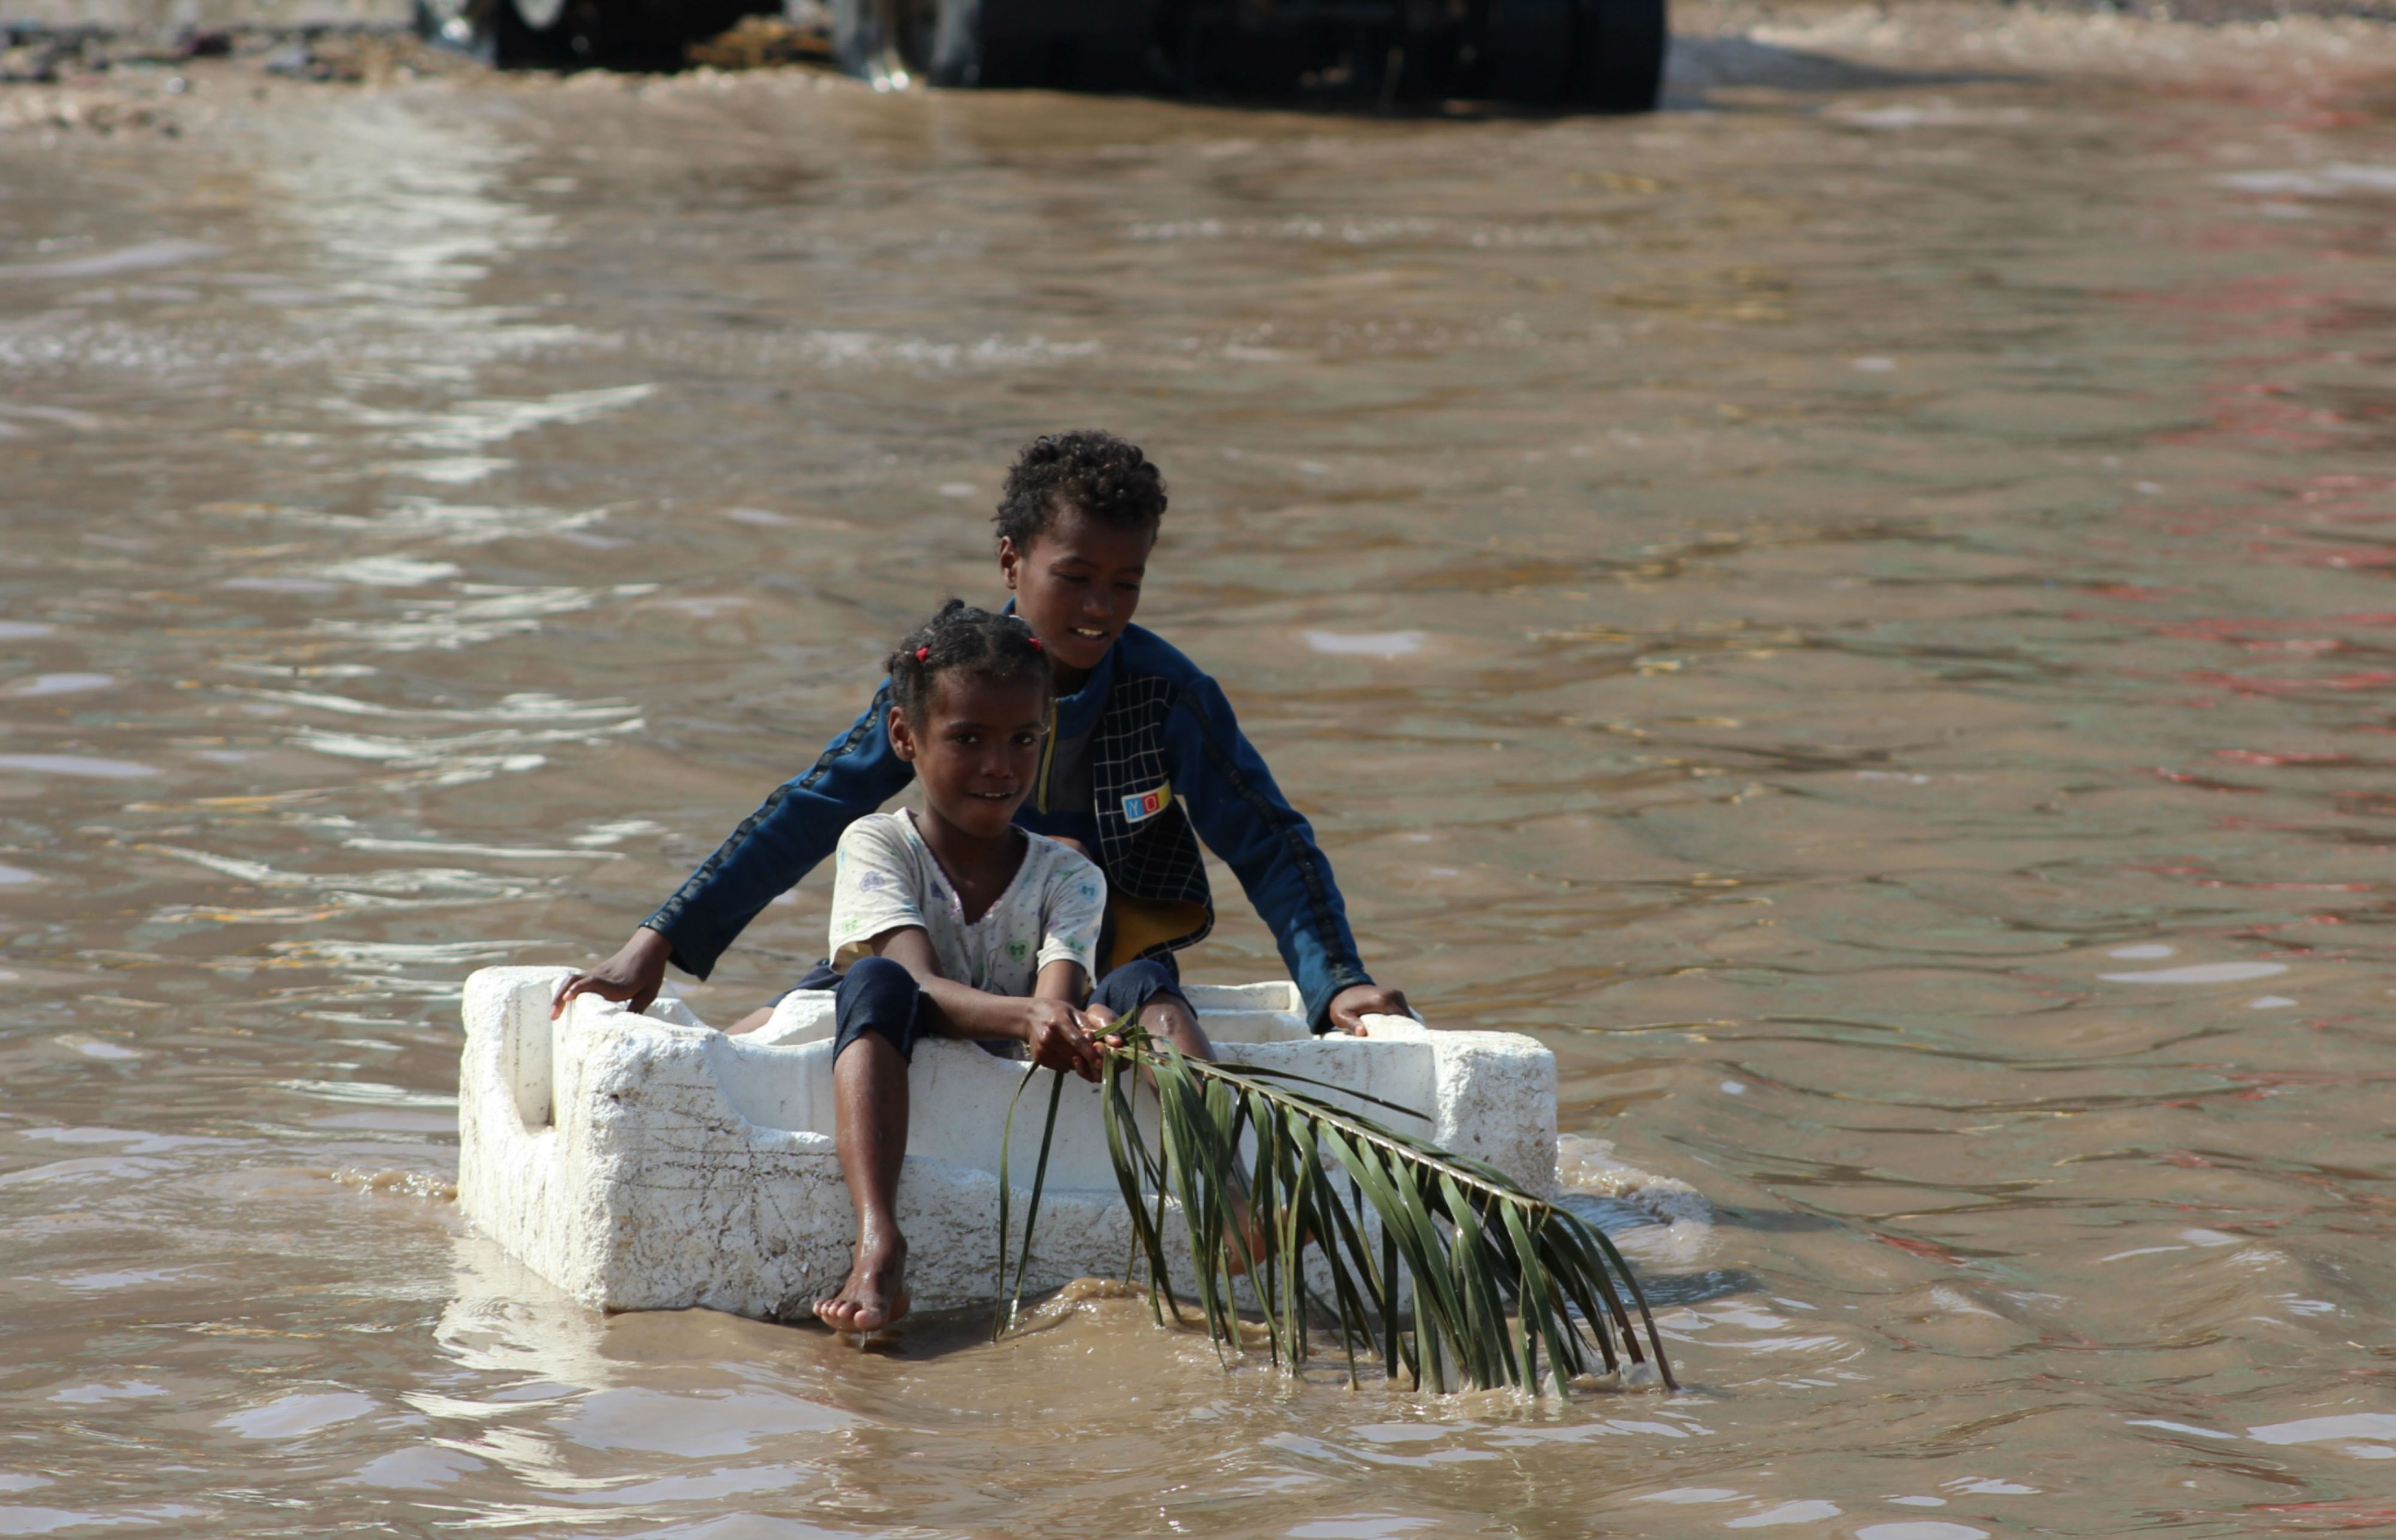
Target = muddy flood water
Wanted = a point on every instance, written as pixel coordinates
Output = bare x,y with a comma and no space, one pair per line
1857,609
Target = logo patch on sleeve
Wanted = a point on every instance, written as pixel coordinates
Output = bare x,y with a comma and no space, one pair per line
1141,806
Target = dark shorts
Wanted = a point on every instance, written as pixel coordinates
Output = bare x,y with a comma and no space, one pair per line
1136,984
879,996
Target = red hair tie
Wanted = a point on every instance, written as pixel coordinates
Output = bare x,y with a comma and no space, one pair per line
1036,644
922,655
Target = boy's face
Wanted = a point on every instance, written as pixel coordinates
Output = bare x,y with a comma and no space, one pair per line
1077,586
976,751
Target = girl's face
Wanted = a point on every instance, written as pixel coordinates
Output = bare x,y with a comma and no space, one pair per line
977,750
1077,585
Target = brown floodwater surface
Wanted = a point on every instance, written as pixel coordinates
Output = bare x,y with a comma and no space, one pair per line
1857,612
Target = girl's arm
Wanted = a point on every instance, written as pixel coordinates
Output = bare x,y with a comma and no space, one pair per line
1045,1022
1062,981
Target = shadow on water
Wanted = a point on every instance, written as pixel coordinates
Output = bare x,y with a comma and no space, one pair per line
1698,1288
938,1335
1695,66
1777,1221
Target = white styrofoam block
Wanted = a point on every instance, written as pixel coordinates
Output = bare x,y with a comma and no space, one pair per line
652,1162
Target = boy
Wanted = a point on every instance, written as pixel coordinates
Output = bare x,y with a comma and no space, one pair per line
1142,760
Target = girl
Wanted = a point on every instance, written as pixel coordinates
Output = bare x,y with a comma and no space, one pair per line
955,923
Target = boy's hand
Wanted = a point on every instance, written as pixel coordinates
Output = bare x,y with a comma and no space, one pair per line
1058,1037
1353,1004
633,975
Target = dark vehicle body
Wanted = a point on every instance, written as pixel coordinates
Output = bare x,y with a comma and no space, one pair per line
1591,55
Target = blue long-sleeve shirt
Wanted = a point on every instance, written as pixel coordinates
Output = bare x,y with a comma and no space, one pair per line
1169,738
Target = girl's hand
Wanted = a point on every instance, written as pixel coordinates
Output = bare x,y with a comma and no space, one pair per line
1059,1038
1099,1018
633,975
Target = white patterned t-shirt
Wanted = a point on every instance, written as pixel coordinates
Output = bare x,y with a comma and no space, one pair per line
885,877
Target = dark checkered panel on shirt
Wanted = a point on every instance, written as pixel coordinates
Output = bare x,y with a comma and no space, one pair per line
1158,858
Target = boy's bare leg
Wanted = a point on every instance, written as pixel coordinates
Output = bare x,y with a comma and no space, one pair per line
750,1022
1173,1021
869,1100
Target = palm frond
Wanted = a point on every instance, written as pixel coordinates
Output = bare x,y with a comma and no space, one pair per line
1014,1296
1442,1267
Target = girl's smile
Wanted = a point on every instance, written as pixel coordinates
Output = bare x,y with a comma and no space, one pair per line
975,752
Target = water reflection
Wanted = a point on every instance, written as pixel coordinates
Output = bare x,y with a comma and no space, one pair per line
1854,615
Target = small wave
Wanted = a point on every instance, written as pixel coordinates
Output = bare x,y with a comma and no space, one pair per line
397,1184
1659,1219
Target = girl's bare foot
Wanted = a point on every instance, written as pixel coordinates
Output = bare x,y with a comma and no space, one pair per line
875,1293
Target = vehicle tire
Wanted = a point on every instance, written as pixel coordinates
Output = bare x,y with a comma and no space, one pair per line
1618,54
631,34
1529,49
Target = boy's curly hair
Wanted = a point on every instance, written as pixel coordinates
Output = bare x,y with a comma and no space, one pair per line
1088,468
996,648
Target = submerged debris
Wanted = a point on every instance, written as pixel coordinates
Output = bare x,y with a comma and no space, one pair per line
761,42
31,63
162,82
35,55
298,61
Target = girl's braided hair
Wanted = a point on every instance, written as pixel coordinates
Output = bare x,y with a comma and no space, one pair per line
998,649
1108,480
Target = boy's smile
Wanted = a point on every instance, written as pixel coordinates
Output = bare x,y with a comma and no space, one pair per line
1077,587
